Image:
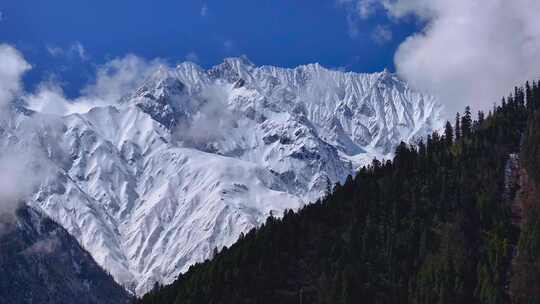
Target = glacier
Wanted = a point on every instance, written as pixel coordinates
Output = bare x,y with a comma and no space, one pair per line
194,157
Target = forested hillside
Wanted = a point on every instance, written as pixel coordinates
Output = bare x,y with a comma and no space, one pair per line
431,226
525,283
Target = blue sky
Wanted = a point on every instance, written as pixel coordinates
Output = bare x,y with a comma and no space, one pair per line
67,39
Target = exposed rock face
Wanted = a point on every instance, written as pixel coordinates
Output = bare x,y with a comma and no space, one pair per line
513,192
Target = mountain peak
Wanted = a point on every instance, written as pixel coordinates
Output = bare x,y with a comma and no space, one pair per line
196,157
231,69
242,59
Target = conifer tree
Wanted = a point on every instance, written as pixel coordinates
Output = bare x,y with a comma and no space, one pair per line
466,122
458,128
535,95
448,133
481,117
528,96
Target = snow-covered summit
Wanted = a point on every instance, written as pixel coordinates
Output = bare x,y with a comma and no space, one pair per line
194,157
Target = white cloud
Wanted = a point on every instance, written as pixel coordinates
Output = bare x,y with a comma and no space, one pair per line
358,10
424,9
75,50
352,26
49,98
192,56
54,51
213,121
470,52
78,49
366,8
204,10
113,81
15,181
382,34
120,76
352,17
13,67
16,184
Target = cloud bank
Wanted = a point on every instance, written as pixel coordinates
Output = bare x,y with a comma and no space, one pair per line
469,52
113,80
20,170
13,66
24,166
213,120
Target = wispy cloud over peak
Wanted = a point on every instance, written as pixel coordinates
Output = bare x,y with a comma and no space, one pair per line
15,182
113,80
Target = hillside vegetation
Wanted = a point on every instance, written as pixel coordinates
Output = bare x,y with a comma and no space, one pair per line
431,226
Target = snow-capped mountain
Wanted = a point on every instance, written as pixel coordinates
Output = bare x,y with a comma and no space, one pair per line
195,157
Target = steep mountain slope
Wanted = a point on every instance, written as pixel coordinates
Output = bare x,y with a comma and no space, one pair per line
195,157
41,263
432,226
